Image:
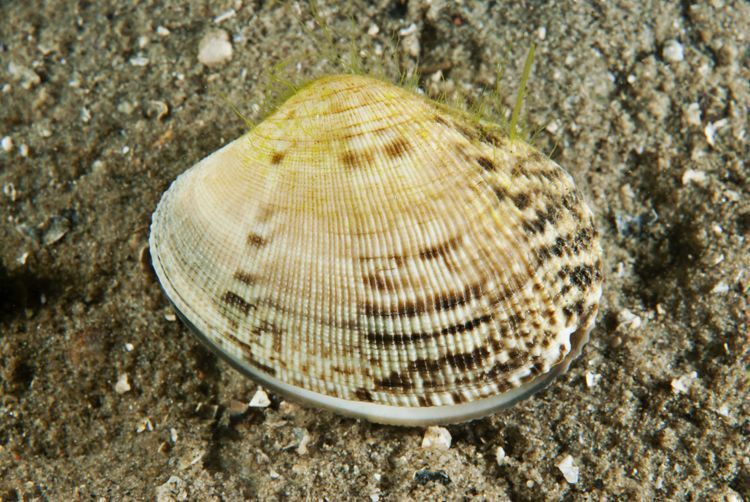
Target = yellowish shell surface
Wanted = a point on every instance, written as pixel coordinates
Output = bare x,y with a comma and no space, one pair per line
368,251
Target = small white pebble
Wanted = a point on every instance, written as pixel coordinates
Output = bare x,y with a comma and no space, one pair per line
720,288
541,32
723,410
673,51
139,61
144,425
693,114
409,30
682,384
173,435
23,150
260,400
374,497
732,195
529,483
304,440
273,474
122,386
214,48
227,14
9,189
733,496
129,347
412,45
500,455
125,107
373,30
620,269
627,318
592,379
436,437
170,316
712,128
162,31
694,176
569,469
716,229
377,476
7,144
287,408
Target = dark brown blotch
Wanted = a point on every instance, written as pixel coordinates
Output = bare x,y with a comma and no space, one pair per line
277,157
265,213
397,148
515,320
268,327
246,277
582,239
263,367
394,381
500,192
551,317
247,351
550,174
489,137
454,299
519,169
486,163
377,281
441,120
401,309
379,338
256,240
468,360
439,302
364,395
521,200
467,326
424,366
570,201
583,275
440,249
352,159
236,301
550,215
537,368
467,132
537,156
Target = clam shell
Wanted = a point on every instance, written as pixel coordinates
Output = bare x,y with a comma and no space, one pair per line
372,252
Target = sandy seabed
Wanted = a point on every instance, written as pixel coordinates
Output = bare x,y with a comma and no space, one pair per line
104,395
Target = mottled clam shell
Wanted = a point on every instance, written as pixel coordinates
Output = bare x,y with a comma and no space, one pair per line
368,251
